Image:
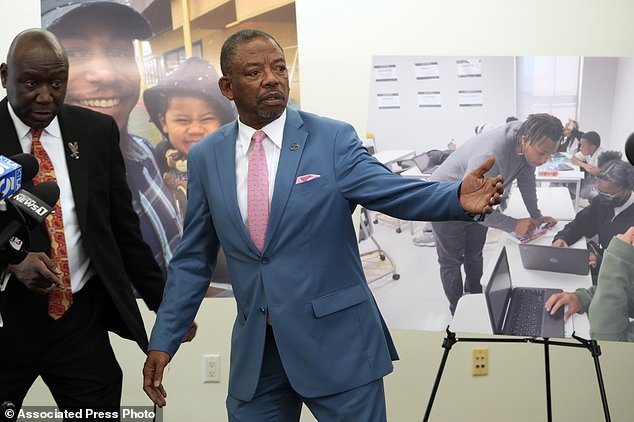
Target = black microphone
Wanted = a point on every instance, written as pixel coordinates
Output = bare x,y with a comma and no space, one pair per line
29,164
28,209
37,202
629,149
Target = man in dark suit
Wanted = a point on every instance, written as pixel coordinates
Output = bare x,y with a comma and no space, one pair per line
307,327
94,253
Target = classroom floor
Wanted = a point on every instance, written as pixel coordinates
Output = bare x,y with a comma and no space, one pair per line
416,301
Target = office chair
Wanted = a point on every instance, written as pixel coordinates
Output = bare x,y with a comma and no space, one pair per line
420,161
376,262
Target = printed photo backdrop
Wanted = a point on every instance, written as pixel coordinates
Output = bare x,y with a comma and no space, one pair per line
422,110
154,67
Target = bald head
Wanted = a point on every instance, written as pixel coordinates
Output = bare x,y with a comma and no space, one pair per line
35,77
35,39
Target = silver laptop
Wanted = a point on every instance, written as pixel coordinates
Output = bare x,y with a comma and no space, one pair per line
520,311
551,258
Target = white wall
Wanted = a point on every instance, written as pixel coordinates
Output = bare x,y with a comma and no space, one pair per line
622,123
16,16
422,129
607,99
337,40
598,90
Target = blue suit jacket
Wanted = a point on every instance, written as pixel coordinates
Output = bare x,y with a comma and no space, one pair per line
328,329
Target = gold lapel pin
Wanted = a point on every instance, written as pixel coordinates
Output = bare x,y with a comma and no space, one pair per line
74,150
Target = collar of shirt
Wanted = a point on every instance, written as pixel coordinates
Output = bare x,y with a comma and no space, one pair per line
23,130
618,210
274,131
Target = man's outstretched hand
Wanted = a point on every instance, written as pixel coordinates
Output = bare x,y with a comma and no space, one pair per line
478,193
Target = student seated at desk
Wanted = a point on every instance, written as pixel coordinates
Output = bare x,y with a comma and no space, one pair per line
609,304
569,141
587,159
609,213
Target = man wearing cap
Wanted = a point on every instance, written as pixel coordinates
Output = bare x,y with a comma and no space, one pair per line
75,283
104,77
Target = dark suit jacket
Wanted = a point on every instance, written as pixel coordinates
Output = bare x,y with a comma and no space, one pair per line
108,224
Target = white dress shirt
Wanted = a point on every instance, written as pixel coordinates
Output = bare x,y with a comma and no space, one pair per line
272,146
52,142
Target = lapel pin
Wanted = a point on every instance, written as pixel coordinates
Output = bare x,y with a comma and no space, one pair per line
294,147
74,150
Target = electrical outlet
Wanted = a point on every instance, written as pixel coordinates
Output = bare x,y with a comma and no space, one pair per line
211,368
480,362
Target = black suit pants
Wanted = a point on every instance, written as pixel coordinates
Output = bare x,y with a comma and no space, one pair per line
73,355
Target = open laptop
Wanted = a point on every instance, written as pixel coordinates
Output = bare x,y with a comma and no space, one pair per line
520,311
552,258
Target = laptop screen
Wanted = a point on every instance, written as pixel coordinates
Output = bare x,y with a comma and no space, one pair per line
498,292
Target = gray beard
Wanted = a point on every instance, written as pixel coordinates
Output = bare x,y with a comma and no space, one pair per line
270,115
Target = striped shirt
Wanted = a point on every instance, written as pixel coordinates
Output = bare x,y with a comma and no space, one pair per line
161,225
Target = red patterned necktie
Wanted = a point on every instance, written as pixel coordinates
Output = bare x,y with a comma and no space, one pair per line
258,191
58,300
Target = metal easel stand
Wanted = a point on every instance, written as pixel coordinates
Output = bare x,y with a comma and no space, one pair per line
591,345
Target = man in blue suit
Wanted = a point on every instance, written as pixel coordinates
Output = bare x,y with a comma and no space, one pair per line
307,328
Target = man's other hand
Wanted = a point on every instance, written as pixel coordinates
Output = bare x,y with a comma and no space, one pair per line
478,193
153,376
189,336
38,272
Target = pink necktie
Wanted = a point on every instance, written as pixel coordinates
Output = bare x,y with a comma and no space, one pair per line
258,191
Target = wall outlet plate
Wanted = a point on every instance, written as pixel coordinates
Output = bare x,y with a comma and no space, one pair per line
211,368
480,362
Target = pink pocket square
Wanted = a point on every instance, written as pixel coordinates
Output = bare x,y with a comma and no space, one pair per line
306,178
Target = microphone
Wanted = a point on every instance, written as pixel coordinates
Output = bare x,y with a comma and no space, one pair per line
14,171
38,203
28,209
14,235
30,166
629,149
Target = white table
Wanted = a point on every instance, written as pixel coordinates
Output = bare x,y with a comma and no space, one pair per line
390,156
553,201
569,176
471,314
414,172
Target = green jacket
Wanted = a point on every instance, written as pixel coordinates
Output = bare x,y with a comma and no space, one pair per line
610,304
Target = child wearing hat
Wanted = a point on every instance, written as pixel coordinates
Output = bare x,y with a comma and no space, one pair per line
186,106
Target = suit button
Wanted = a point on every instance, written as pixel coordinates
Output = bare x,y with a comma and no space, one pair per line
261,309
264,260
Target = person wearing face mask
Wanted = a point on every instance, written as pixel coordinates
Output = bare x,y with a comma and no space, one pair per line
609,213
518,147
